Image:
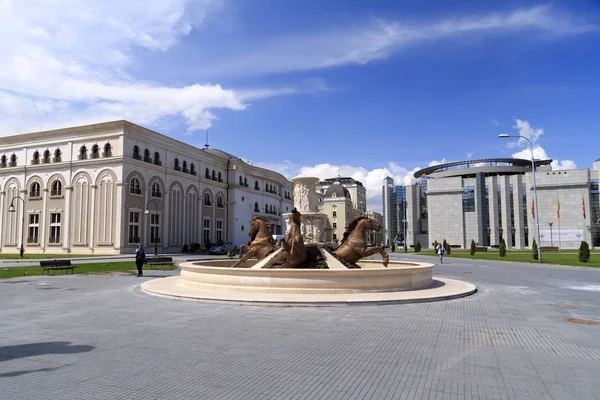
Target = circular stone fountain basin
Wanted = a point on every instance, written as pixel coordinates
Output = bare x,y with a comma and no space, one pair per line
400,282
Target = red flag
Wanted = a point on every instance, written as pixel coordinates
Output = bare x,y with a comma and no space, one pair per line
532,208
558,209
583,207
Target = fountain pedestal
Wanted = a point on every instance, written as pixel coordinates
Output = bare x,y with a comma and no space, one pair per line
313,223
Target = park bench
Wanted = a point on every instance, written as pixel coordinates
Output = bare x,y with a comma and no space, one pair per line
549,248
482,249
152,261
56,265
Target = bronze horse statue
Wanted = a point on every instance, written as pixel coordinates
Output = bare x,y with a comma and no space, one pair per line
293,253
354,246
261,241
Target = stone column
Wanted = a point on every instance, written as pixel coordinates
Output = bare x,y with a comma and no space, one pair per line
2,194
517,181
305,197
163,223
123,219
93,214
66,245
506,222
493,210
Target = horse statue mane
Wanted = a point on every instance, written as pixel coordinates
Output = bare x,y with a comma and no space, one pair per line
353,224
293,254
266,221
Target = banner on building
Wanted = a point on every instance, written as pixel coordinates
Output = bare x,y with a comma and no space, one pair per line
566,235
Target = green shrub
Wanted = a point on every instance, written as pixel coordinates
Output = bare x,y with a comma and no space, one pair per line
473,248
534,250
502,248
584,252
418,247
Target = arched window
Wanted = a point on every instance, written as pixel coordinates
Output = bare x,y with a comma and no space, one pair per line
57,155
256,208
213,175
107,150
156,190
36,158
256,185
46,158
246,182
95,151
56,188
185,168
157,158
219,202
83,153
147,157
219,177
207,201
192,169
136,153
35,190
207,173
176,165
241,181
134,186
3,161
13,161
266,208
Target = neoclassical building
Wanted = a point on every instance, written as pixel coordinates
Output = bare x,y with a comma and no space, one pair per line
105,187
488,200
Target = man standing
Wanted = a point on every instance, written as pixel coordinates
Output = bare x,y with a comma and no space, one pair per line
140,258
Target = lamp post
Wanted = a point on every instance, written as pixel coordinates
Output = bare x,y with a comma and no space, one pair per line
551,241
147,212
537,214
11,208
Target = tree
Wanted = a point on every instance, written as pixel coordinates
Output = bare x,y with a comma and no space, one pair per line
473,247
584,252
418,247
393,247
534,250
502,248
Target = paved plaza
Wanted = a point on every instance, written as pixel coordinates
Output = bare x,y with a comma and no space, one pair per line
100,337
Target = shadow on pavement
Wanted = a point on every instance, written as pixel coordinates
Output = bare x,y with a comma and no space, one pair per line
37,349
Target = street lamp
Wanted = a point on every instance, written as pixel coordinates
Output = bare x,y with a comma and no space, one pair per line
537,214
11,208
155,237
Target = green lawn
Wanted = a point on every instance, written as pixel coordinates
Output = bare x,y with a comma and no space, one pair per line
80,269
564,257
45,256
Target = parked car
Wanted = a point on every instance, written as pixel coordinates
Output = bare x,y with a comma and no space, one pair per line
223,248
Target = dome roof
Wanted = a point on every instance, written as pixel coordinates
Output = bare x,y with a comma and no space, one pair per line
220,153
337,190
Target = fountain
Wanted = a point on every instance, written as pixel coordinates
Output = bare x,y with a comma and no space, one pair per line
304,271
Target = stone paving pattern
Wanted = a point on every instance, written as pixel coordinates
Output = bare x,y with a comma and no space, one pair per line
99,337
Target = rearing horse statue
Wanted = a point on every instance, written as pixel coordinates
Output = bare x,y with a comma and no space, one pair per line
354,246
293,253
262,243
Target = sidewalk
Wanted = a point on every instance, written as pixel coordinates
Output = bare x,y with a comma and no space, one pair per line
177,257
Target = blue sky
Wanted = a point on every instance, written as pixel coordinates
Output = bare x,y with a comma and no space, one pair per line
365,89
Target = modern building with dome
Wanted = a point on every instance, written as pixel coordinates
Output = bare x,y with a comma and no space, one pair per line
103,188
491,199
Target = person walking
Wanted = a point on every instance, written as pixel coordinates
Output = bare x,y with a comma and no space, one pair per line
441,251
140,258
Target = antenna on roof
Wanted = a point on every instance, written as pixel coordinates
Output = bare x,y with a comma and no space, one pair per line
206,144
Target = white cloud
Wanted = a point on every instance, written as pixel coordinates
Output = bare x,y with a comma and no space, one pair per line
66,63
534,134
381,38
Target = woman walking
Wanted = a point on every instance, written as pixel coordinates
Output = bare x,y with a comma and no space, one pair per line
140,258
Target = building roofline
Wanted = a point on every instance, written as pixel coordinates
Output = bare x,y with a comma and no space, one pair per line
515,162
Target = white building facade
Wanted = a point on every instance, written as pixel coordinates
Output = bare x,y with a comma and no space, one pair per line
103,188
